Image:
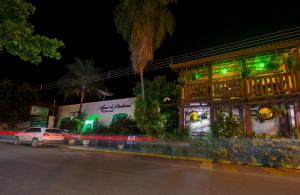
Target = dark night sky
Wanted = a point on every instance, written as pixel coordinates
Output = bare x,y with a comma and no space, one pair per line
87,29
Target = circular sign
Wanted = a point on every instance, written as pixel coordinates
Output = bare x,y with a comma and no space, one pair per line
194,116
265,113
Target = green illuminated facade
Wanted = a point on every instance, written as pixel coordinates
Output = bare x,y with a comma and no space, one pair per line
263,63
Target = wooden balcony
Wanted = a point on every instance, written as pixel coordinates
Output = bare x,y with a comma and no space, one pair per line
254,86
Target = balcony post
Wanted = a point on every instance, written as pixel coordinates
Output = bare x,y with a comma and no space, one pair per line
297,77
247,120
297,114
210,95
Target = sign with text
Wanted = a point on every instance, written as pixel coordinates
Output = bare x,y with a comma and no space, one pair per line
109,110
39,111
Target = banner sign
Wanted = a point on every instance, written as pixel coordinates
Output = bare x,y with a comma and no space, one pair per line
39,111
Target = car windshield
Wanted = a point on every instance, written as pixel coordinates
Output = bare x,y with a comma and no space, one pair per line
54,130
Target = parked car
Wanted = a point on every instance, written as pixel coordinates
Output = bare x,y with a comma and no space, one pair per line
38,136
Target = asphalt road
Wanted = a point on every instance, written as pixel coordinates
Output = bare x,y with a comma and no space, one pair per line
55,171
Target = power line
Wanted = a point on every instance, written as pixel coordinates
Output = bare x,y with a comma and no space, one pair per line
283,35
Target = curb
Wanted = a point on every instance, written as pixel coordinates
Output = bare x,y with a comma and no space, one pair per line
6,141
141,154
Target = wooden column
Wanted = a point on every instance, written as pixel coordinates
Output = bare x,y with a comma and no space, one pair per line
248,120
210,96
244,86
181,116
297,114
297,77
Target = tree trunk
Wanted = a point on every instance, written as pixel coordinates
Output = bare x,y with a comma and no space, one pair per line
81,102
143,90
142,83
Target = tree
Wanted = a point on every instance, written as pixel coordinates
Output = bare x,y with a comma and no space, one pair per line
77,72
160,118
143,24
16,33
15,101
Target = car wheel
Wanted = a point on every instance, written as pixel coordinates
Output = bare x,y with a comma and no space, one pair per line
16,140
35,143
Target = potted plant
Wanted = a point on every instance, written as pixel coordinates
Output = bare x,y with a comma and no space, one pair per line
121,145
85,137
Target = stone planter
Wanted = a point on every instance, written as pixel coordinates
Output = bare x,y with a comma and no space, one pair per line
121,146
71,141
85,142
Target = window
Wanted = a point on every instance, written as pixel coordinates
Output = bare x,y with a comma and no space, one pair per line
54,130
34,130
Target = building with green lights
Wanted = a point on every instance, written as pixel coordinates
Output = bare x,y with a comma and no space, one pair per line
248,82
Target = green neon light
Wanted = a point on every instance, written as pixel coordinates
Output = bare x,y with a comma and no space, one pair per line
223,70
197,76
89,123
260,65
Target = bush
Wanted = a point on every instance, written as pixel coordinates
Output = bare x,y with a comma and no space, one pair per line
100,128
226,125
180,134
124,126
269,152
297,133
73,125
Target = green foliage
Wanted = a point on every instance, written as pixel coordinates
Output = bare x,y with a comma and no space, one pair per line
78,70
226,125
73,125
143,25
179,134
279,110
158,118
100,128
265,151
17,34
15,101
297,133
293,59
124,126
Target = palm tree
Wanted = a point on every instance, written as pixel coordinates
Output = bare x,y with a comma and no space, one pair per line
144,24
77,75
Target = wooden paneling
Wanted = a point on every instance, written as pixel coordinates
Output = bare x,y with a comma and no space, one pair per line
263,85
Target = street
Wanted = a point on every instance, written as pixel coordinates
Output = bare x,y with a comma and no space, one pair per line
55,171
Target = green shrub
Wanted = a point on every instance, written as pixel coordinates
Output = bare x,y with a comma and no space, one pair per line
226,125
179,134
124,126
297,133
73,125
266,151
100,128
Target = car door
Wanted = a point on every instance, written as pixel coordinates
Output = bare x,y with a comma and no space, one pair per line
31,133
22,135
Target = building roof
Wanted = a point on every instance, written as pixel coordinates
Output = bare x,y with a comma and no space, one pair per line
239,53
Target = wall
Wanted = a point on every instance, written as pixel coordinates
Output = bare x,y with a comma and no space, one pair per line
106,109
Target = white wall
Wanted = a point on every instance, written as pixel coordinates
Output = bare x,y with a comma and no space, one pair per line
268,126
106,109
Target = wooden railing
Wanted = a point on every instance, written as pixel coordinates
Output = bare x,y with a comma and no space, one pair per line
263,85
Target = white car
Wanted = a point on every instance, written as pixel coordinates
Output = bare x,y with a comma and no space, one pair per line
38,136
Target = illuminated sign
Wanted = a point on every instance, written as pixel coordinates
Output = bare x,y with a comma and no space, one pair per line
265,113
39,111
